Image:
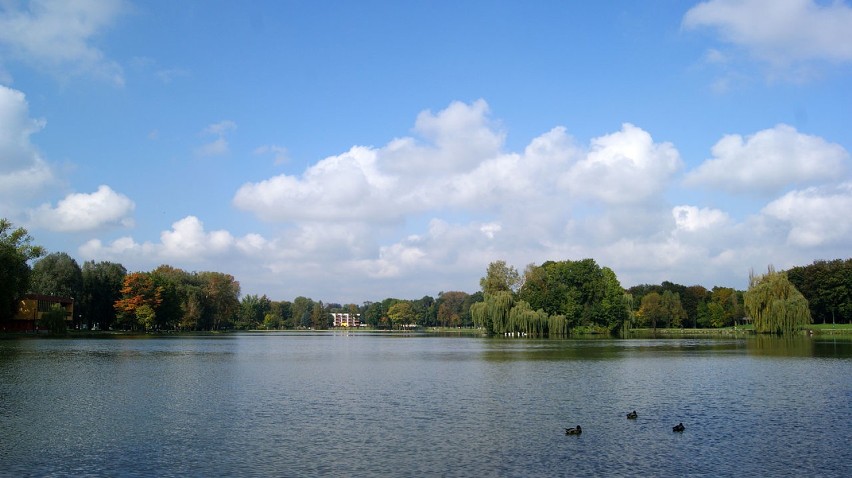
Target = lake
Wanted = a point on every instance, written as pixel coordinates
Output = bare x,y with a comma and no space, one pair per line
380,404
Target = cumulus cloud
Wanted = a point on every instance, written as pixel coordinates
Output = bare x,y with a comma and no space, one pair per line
56,35
817,216
443,170
427,213
769,161
780,31
186,241
624,167
22,169
81,212
694,219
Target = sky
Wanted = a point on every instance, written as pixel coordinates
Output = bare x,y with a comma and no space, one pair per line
354,151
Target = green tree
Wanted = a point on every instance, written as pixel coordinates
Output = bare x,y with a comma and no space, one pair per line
319,317
775,305
301,308
57,274
174,283
54,320
16,250
652,310
451,308
221,299
146,317
402,313
253,310
102,283
500,278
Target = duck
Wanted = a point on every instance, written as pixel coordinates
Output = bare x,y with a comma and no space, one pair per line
632,415
574,431
678,428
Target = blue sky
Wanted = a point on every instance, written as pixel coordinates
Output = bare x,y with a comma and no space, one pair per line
351,151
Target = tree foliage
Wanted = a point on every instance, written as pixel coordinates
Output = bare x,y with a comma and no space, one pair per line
54,320
57,274
102,283
552,299
139,290
827,285
775,305
16,250
500,278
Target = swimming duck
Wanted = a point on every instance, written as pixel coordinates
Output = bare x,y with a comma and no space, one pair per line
678,428
632,415
574,431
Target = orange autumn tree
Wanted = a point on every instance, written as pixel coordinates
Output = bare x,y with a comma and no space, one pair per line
140,297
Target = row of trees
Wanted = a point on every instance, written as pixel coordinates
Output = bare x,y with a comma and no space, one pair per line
675,305
549,299
827,286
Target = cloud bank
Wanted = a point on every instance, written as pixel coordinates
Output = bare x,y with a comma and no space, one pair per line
427,213
56,36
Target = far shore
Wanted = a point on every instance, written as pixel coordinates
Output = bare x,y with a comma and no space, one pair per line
579,333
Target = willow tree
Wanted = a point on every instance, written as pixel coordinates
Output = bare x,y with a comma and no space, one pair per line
775,305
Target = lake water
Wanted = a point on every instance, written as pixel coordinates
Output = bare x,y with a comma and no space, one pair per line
358,404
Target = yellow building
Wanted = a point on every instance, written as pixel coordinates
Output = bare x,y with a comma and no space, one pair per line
32,306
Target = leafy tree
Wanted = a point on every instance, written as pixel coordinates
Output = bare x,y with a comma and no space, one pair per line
54,320
319,317
138,290
827,285
776,306
16,250
102,283
253,310
146,317
652,310
221,299
57,274
451,308
174,284
302,307
500,278
402,313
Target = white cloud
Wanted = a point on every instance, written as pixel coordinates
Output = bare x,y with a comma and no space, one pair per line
22,169
187,241
409,177
816,216
56,35
694,219
769,161
780,31
624,167
81,212
367,223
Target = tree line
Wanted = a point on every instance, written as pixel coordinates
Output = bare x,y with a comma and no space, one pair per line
550,299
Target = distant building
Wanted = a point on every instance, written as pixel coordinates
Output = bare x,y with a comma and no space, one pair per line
346,319
32,306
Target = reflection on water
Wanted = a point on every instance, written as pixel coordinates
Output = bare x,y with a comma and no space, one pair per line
380,404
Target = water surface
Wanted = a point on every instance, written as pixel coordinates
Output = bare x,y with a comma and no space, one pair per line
338,404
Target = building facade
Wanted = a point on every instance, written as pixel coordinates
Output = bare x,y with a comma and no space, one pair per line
32,306
346,320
